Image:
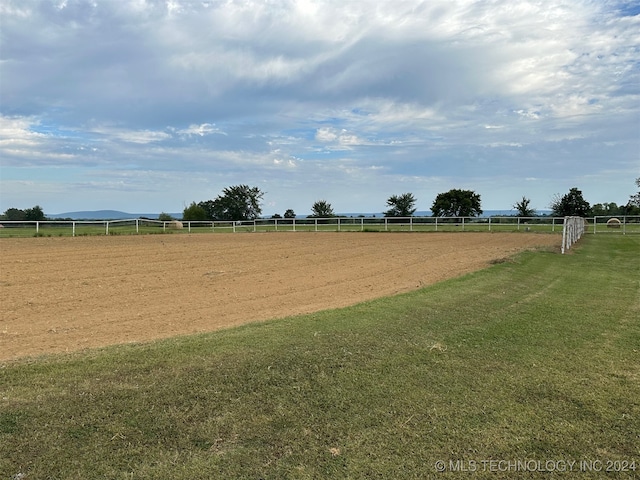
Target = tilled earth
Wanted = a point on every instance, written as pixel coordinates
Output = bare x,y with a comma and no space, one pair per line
66,294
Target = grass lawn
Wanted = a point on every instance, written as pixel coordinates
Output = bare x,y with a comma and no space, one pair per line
534,361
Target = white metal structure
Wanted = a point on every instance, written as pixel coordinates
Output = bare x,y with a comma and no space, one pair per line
572,230
543,224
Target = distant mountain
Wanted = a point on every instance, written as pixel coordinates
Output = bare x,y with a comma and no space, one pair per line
92,215
107,215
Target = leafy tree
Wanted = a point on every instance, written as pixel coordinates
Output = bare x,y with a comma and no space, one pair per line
321,209
14,214
456,203
606,209
194,213
165,217
276,215
30,214
633,206
238,202
570,204
34,213
401,205
208,207
523,208
289,214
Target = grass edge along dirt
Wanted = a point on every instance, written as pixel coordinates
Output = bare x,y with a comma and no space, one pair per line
534,361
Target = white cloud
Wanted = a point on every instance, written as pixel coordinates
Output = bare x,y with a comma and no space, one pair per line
340,138
131,136
326,134
17,131
285,162
201,130
290,93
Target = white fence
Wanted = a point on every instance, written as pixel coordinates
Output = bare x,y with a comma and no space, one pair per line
363,224
622,225
572,231
142,225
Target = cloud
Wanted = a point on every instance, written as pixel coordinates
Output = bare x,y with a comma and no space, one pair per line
292,94
201,130
131,136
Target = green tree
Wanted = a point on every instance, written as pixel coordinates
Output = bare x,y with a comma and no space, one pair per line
289,214
34,214
456,203
570,204
194,213
208,206
401,205
321,209
634,200
165,217
633,205
30,214
523,208
14,214
606,209
238,202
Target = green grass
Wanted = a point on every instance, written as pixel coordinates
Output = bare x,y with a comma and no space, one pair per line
535,358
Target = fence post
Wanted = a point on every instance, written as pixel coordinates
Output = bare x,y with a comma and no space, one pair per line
564,234
411,224
463,224
106,228
73,229
572,230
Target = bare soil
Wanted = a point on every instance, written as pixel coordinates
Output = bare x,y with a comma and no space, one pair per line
67,294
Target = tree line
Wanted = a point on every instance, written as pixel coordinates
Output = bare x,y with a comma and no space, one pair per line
242,202
30,214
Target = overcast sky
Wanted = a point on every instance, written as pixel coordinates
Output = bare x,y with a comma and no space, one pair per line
148,105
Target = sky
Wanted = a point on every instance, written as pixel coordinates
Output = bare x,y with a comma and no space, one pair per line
146,106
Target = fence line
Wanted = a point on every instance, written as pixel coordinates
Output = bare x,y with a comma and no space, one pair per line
572,231
599,224
382,224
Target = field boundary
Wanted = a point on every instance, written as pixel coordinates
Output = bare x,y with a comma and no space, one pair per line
599,224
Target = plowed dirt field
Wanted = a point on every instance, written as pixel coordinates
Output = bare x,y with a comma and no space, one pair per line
67,294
